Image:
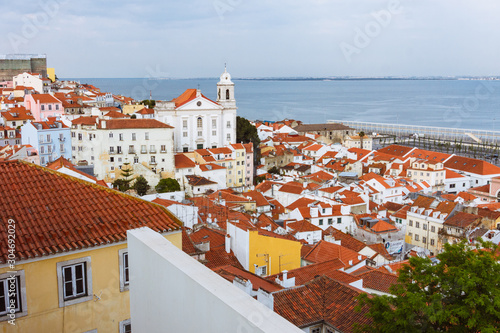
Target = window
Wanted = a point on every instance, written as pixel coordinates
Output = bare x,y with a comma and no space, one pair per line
136,159
214,133
133,136
330,221
110,134
424,240
111,159
43,107
424,226
228,124
416,237
452,185
73,134
227,93
261,270
214,123
163,148
185,149
410,223
228,137
199,122
124,272
320,222
118,149
339,220
80,136
74,281
146,136
111,150
433,228
57,106
42,149
432,241
200,133
316,329
120,136
184,134
152,149
125,326
417,224
80,148
12,295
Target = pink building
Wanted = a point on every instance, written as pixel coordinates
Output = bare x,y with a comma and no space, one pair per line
43,106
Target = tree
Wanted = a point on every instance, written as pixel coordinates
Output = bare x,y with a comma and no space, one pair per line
134,116
123,183
460,293
274,170
167,185
246,132
149,103
141,186
361,136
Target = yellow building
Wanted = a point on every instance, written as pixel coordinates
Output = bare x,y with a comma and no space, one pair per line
69,253
51,74
239,167
262,252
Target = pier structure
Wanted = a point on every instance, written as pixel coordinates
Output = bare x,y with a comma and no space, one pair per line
440,133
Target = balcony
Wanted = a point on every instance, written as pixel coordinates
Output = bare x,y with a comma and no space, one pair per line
152,151
163,151
111,152
144,151
131,151
152,163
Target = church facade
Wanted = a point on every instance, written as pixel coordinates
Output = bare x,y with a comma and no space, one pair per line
198,121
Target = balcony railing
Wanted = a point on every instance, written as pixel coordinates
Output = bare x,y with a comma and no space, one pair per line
144,151
131,151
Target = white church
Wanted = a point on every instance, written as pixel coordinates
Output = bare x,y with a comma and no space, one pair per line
198,121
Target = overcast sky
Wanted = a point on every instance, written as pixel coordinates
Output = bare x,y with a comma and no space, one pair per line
194,38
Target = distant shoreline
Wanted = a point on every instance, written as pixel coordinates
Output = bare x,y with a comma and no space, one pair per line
458,78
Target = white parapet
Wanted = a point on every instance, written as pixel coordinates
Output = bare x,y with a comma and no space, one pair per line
172,292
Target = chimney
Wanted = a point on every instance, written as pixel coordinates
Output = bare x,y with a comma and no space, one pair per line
359,257
304,184
228,243
285,275
350,262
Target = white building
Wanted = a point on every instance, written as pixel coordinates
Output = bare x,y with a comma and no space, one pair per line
146,144
33,80
200,122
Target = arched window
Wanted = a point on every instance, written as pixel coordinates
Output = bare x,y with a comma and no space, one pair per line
227,93
199,122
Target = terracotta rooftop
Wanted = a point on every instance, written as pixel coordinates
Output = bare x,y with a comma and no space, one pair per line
56,213
231,272
461,220
378,280
322,300
134,123
472,165
325,251
307,273
183,162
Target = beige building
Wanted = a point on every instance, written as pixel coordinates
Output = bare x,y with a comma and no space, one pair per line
433,173
426,218
355,141
146,144
333,132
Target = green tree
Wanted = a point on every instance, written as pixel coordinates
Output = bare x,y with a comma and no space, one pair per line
274,170
460,293
246,132
149,103
141,185
167,185
123,183
134,116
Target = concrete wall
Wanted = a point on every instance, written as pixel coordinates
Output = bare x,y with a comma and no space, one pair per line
172,292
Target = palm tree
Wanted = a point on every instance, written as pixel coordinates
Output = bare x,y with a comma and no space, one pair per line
361,135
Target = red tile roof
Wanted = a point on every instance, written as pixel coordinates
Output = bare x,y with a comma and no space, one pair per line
186,97
302,226
183,162
219,257
205,234
326,251
134,123
378,280
472,165
322,300
462,220
45,99
308,273
57,213
231,272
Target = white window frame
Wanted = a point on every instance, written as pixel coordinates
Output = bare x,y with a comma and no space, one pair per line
124,285
88,281
123,323
21,293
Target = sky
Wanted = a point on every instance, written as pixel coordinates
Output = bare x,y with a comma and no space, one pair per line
256,38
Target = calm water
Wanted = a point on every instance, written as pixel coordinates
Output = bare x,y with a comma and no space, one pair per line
446,103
